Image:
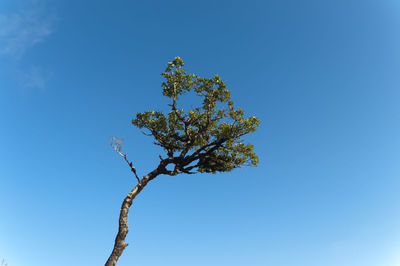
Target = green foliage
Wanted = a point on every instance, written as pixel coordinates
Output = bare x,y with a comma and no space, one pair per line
207,138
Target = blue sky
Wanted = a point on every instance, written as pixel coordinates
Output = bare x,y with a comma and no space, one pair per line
322,76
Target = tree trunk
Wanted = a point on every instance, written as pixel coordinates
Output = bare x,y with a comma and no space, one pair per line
120,244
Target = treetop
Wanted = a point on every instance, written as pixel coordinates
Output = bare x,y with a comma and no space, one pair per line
206,138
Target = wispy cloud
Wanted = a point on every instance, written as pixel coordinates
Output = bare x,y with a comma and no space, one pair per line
22,30
35,78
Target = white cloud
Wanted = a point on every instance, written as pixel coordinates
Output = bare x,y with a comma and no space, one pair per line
21,30
34,78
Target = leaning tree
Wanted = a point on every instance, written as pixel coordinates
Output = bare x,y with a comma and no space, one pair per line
204,139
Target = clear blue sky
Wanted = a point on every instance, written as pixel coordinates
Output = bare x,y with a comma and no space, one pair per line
322,76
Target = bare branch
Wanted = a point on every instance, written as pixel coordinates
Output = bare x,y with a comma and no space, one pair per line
187,169
117,146
212,145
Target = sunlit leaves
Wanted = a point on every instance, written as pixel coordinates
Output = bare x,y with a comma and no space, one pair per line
212,132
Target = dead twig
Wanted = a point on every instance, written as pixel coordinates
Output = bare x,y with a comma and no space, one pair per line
116,144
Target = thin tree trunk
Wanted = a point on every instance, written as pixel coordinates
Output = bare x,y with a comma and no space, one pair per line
120,244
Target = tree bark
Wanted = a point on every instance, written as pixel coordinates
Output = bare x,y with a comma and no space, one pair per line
120,244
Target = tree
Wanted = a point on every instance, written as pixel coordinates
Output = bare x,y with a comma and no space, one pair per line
205,139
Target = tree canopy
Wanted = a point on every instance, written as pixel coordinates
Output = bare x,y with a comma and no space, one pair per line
206,138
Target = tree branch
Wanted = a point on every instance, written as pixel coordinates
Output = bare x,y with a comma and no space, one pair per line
187,169
173,106
117,146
